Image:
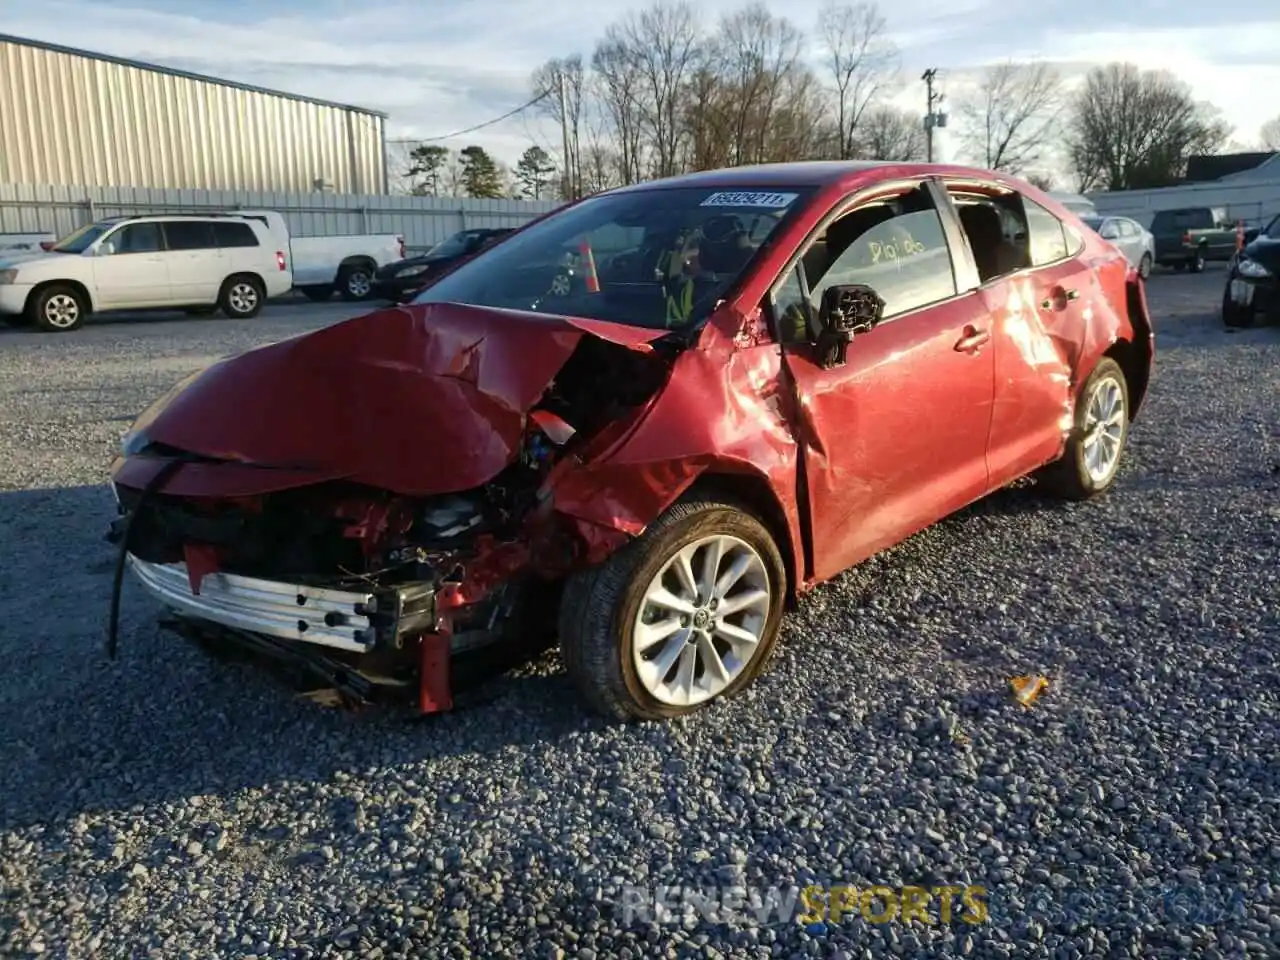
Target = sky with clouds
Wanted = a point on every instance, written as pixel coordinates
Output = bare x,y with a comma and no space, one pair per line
436,66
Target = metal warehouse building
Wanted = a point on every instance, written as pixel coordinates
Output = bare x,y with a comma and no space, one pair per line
78,119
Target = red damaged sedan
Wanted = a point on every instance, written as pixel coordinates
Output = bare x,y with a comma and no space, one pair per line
642,425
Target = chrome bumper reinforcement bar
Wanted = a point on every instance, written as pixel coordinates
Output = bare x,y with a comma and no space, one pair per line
342,619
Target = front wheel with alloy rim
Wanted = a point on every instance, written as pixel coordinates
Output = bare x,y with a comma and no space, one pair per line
241,298
685,614
355,282
1091,460
57,309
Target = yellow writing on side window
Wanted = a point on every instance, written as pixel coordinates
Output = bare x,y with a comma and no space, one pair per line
894,250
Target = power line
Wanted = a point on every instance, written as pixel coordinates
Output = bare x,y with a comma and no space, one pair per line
479,126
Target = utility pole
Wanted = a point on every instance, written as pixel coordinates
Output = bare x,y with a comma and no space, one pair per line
929,118
934,117
570,188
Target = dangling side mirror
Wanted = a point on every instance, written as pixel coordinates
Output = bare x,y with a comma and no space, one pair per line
847,310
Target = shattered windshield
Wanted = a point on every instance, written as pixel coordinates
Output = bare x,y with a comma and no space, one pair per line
659,258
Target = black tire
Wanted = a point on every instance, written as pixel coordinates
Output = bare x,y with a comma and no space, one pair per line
318,294
1234,316
1144,266
242,297
57,309
355,282
1197,265
600,606
1068,477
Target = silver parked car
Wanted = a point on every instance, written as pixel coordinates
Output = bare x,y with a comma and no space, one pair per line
1133,239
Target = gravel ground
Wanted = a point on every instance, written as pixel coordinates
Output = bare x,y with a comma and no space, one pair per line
165,806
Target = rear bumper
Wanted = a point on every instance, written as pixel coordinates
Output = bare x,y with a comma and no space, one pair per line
351,620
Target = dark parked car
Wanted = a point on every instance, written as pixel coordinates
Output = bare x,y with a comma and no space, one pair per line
1188,238
643,425
401,280
1253,289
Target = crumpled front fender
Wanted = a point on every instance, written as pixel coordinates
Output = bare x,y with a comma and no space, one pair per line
724,412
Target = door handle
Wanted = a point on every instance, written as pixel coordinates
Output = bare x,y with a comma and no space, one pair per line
973,339
1059,299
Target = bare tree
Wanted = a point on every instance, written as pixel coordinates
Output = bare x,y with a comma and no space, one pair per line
861,60
1132,129
617,85
561,83
1042,180
664,41
1269,135
888,133
757,52
1009,119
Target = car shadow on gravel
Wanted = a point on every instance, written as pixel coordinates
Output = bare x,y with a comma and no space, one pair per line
165,721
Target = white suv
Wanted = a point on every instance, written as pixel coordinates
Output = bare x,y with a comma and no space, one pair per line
202,263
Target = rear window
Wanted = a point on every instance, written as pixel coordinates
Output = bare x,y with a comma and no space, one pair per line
1183,219
231,234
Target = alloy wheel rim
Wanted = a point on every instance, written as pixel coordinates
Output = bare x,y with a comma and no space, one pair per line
359,284
61,311
1103,429
702,621
243,297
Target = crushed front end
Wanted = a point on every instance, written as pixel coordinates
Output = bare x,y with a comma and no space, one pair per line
371,576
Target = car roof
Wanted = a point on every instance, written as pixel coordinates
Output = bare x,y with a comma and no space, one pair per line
810,173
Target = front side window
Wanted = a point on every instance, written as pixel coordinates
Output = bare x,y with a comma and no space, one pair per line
789,310
1047,240
904,257
136,238
656,258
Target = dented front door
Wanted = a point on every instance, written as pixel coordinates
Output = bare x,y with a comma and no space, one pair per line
896,438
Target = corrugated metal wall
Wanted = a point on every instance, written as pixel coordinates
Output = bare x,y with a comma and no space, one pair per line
422,221
1253,201
67,118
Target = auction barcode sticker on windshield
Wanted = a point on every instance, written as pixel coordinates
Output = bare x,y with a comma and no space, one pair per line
750,198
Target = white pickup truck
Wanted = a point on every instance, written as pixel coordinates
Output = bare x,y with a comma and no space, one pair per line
322,265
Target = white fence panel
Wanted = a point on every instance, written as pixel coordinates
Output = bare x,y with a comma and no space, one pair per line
1254,202
422,221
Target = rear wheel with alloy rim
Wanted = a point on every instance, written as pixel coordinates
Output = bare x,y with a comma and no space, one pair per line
57,309
686,614
355,282
241,298
1091,460
1144,266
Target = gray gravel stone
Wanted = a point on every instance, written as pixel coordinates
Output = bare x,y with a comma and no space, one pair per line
188,808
